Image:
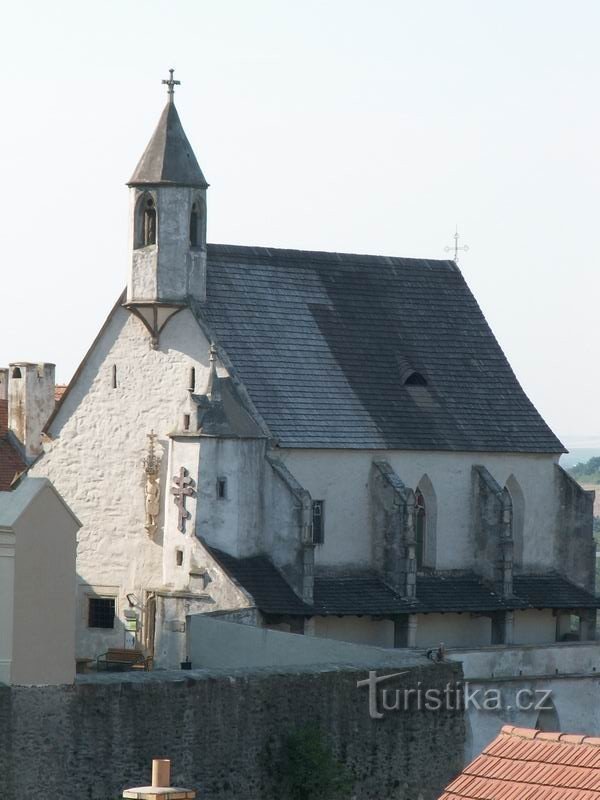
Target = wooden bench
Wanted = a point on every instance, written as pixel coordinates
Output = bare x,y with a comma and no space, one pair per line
121,659
82,665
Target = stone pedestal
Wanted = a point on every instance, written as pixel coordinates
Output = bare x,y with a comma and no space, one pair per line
161,778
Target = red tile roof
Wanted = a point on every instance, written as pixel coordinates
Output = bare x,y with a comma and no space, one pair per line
11,463
59,390
525,764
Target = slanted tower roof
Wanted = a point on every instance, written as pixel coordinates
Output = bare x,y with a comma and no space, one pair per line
169,158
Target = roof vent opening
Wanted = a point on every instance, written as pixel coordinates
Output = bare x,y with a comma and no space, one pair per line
415,379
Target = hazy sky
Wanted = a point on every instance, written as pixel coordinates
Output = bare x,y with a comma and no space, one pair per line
335,125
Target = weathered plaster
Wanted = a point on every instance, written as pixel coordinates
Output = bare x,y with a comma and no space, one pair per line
30,403
575,547
341,478
99,441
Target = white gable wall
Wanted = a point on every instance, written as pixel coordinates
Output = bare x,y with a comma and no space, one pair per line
44,603
100,441
37,585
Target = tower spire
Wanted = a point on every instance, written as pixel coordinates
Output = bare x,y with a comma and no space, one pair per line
171,83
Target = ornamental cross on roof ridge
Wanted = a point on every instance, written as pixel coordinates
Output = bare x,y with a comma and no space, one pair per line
171,83
457,248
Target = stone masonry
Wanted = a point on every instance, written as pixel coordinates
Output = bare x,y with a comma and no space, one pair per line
90,740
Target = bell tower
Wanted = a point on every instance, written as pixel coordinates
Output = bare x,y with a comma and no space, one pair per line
167,225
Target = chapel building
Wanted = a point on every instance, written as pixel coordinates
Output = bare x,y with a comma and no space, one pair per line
326,443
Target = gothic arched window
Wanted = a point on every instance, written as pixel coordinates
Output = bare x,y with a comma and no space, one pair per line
517,500
149,231
144,229
420,528
195,225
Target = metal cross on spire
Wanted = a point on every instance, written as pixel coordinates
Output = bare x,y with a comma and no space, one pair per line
456,247
171,83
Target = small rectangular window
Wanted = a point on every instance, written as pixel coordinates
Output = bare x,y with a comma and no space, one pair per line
101,612
318,521
221,488
186,422
179,557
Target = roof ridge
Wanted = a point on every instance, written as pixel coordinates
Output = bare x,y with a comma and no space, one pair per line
549,736
292,253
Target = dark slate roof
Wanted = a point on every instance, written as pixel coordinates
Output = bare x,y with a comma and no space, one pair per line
323,341
552,591
458,593
355,595
263,581
169,158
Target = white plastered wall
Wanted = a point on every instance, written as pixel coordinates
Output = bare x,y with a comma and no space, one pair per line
453,630
340,477
361,630
96,456
44,601
534,626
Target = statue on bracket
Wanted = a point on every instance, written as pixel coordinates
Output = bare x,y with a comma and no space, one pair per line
152,487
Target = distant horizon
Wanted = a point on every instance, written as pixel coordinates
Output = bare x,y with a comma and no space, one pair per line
581,442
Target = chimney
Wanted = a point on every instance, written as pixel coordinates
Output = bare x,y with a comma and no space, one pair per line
161,778
3,383
30,403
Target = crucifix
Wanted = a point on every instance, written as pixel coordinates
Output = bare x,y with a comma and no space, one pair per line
457,248
183,488
171,83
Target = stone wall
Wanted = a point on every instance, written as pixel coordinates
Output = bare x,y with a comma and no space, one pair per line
575,546
90,740
566,671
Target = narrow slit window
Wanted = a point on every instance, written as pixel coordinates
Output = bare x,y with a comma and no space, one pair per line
186,422
221,488
192,381
420,528
179,557
114,376
194,226
149,223
318,526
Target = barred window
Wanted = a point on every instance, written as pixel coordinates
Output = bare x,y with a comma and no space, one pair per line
101,612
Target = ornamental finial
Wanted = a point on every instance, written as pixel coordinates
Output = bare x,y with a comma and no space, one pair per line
171,83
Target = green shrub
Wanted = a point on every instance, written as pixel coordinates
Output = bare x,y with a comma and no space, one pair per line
304,768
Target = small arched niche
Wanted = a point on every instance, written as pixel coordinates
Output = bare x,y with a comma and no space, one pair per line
16,373
517,497
197,222
425,523
145,224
